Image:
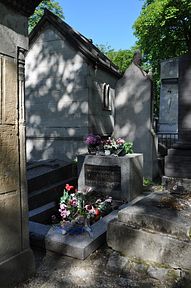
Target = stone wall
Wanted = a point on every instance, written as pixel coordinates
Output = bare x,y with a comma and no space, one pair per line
16,258
101,114
56,98
64,98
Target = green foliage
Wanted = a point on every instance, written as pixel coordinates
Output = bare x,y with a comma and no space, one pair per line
147,182
121,58
51,5
128,147
163,30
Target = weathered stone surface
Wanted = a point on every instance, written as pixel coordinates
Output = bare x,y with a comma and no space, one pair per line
79,246
157,212
157,273
119,177
64,92
117,263
177,163
176,185
17,268
133,120
148,245
16,258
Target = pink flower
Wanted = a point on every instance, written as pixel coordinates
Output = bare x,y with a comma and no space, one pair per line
63,206
64,213
90,209
120,141
73,202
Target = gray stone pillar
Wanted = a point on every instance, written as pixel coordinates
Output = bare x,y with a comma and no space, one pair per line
16,257
178,161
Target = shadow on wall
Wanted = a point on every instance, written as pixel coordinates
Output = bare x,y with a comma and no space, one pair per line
58,84
133,120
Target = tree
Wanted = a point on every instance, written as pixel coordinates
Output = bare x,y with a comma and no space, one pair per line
51,5
163,30
121,58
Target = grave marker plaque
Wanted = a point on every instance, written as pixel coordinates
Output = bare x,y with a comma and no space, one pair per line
118,177
103,177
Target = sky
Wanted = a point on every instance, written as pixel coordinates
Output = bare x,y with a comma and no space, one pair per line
107,22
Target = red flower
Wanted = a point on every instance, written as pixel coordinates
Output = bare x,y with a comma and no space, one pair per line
97,212
69,187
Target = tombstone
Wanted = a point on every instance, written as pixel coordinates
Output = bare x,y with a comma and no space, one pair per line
178,161
133,115
120,177
16,257
168,112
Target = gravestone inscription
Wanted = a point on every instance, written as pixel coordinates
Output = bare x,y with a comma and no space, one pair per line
105,177
118,177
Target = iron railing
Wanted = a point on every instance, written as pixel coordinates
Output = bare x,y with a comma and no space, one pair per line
167,139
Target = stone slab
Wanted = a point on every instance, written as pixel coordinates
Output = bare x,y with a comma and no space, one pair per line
120,177
82,245
148,245
161,212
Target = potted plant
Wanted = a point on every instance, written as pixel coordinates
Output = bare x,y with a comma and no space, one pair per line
93,142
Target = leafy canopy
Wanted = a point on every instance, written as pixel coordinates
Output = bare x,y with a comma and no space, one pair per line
51,5
121,58
163,30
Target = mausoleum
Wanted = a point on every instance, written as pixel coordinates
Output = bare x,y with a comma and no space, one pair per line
70,89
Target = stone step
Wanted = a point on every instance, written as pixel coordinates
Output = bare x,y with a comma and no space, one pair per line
43,214
50,192
148,245
45,173
161,212
156,229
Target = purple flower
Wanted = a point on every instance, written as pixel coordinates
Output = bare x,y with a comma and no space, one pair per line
93,139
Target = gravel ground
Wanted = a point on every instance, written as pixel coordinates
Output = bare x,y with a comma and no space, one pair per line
97,270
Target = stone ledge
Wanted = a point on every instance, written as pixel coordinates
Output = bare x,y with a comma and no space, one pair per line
152,214
149,245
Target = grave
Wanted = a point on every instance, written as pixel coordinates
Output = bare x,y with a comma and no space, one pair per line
155,229
46,180
120,177
16,257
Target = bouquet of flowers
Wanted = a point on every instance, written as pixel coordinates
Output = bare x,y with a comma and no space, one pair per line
76,211
113,144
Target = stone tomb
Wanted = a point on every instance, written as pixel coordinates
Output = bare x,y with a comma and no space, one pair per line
120,177
156,228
